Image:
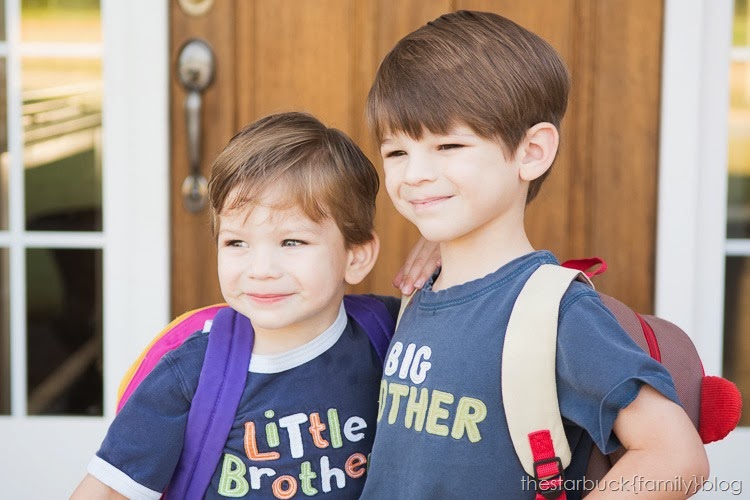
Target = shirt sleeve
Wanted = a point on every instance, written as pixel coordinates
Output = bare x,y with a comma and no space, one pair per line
600,368
144,442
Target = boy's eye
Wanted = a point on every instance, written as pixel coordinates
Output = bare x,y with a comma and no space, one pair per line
292,243
444,147
235,243
393,154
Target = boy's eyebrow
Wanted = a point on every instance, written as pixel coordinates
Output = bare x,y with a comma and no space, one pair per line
301,229
297,227
460,134
459,130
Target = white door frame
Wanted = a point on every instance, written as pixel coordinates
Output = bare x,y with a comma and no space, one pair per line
136,248
136,181
691,228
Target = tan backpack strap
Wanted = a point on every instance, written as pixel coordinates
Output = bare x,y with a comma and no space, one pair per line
405,300
528,379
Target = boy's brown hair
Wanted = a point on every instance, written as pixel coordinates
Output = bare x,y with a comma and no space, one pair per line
476,68
320,169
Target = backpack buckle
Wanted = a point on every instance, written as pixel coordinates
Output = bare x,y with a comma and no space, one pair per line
550,483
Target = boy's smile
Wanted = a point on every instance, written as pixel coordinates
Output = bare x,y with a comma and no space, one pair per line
283,271
426,203
267,298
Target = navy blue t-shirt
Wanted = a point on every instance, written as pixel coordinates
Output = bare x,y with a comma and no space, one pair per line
441,429
305,422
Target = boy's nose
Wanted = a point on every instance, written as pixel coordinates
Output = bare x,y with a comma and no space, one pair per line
419,168
262,265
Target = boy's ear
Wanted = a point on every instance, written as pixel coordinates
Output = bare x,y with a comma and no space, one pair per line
538,150
360,260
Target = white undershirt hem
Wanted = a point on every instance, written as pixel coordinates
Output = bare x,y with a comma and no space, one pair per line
277,363
119,481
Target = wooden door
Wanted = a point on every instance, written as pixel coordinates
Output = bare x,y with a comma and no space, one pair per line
321,56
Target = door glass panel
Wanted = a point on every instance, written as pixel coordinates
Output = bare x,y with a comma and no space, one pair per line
2,20
737,327
4,333
738,208
61,21
4,157
741,20
64,343
62,103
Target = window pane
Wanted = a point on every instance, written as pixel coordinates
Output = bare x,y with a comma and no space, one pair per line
64,344
2,20
62,103
4,158
741,20
61,21
737,327
738,208
4,333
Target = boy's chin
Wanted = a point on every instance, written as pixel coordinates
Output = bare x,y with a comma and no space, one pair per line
436,234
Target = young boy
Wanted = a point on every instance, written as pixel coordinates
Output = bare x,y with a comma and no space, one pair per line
467,111
292,207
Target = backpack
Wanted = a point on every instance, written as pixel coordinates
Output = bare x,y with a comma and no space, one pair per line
214,405
713,403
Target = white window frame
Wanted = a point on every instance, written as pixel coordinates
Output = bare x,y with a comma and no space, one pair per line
135,241
135,181
691,227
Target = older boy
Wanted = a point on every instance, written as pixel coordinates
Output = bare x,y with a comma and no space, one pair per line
467,110
292,205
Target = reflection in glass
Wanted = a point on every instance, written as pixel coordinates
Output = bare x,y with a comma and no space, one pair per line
738,196
62,103
4,333
4,157
2,20
64,342
737,327
69,21
740,27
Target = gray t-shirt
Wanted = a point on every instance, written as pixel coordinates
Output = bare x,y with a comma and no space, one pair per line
441,429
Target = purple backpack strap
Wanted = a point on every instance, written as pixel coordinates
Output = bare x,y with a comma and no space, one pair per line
214,406
373,316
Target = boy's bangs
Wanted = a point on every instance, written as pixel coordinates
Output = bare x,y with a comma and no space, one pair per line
296,188
411,113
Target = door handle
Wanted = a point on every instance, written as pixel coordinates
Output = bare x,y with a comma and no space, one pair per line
195,71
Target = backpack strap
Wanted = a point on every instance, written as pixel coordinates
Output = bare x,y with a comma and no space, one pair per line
171,337
372,315
214,406
528,380
405,301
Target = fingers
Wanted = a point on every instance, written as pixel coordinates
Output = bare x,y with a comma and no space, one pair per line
421,263
406,269
399,278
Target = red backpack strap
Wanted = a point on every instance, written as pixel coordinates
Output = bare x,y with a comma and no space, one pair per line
591,266
214,406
